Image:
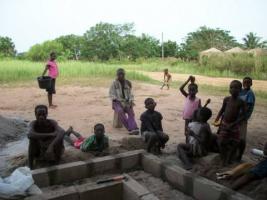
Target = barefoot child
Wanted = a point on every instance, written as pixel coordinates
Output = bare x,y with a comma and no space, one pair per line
198,140
248,96
95,143
166,79
192,103
232,113
52,68
45,138
246,172
151,127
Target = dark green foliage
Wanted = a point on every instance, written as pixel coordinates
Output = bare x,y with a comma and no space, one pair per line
72,45
170,49
7,47
40,52
205,38
103,41
251,41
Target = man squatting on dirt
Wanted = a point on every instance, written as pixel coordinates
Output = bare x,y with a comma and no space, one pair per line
45,138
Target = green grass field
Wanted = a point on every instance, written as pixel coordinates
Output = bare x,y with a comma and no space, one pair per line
14,72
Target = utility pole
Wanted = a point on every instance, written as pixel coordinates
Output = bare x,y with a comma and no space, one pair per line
162,47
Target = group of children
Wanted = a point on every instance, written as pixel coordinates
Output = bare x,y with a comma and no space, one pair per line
46,136
231,121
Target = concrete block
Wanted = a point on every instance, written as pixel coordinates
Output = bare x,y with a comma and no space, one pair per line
132,190
108,191
238,196
174,175
67,173
129,160
67,193
102,164
40,177
188,186
36,197
206,189
151,164
133,142
149,197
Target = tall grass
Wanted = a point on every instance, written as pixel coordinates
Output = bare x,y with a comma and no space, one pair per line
20,71
239,64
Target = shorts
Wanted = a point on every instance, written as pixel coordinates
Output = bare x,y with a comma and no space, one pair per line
260,170
77,143
229,134
147,134
52,89
163,137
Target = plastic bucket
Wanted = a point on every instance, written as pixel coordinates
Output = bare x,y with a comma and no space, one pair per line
44,82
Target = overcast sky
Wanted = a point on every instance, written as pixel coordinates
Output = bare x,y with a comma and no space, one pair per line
29,22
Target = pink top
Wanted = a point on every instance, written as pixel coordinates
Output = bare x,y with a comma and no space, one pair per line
52,69
189,107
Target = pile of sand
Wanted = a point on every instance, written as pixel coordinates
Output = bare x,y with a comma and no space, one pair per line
12,130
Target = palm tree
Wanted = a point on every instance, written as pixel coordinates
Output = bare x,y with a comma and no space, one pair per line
251,41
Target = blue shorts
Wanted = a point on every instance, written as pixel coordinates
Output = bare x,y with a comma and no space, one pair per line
260,170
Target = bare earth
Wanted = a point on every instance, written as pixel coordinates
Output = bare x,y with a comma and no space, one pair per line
82,107
258,85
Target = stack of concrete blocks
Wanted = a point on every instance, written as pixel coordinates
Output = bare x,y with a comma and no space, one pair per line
185,181
195,186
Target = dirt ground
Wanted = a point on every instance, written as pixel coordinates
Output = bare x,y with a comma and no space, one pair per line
258,85
83,106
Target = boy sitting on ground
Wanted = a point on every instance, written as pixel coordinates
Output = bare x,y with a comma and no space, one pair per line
96,143
151,128
257,172
45,138
198,138
232,113
246,172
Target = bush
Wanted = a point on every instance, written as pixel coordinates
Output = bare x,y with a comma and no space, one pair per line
241,63
40,52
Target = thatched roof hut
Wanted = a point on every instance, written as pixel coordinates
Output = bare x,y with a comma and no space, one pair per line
235,50
258,52
210,51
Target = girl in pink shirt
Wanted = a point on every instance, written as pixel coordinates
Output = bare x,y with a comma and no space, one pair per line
192,103
52,69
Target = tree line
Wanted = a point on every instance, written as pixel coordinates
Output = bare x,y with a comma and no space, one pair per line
106,41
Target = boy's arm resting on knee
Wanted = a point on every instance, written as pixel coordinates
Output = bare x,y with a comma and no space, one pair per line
32,134
60,132
147,124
